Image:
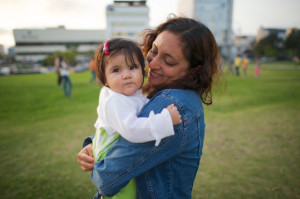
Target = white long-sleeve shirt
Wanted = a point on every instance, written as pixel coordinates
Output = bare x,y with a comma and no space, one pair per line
117,113
64,69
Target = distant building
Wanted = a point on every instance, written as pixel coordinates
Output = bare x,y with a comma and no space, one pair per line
264,32
216,15
243,45
35,44
11,52
126,18
289,31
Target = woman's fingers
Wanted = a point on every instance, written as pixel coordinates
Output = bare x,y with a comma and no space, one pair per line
85,158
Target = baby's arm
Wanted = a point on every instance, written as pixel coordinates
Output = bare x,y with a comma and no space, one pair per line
122,117
176,117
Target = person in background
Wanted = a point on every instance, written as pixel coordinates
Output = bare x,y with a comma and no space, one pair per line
245,65
257,67
237,64
222,61
230,69
57,67
183,62
64,72
92,69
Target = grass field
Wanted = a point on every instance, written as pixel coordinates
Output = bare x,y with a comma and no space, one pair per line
252,143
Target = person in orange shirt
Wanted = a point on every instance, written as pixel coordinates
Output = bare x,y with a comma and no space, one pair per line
245,64
92,69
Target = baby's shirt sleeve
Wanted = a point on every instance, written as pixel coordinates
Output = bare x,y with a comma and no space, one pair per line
121,115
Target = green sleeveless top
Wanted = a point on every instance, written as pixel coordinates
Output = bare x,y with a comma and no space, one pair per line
101,145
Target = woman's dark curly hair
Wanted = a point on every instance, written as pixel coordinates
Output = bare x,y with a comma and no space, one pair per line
199,48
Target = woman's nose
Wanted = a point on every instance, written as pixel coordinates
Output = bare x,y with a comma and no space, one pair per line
153,62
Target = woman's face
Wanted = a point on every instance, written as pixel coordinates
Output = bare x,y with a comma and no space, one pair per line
166,60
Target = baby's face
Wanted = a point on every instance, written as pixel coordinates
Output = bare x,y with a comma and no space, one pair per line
122,77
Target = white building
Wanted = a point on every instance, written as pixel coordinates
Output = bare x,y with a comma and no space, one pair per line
243,45
126,18
216,15
35,44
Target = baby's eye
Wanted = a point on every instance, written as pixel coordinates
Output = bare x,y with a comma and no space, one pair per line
116,70
133,67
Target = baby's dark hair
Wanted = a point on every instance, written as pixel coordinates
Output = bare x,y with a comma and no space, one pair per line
116,46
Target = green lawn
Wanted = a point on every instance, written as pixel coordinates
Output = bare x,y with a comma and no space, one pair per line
252,144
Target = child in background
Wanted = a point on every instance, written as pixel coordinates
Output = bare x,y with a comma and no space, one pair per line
257,67
120,68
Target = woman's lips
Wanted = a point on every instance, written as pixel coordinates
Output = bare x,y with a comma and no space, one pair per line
154,74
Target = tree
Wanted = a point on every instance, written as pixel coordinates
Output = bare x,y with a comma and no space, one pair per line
69,56
292,43
270,46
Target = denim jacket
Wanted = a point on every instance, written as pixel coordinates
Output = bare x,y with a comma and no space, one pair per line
166,171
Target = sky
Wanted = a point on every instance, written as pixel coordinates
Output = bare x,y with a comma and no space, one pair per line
248,15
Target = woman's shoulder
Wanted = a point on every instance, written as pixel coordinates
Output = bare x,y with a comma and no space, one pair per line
188,102
180,95
179,91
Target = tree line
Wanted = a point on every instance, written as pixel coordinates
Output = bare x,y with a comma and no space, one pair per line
279,48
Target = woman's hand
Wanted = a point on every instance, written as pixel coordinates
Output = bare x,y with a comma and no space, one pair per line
85,158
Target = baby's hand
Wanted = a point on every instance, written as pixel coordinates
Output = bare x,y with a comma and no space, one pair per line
176,117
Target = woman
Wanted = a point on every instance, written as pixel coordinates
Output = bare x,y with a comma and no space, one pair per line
182,56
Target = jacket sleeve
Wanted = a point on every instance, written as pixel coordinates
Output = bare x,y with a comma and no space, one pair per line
87,141
126,160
